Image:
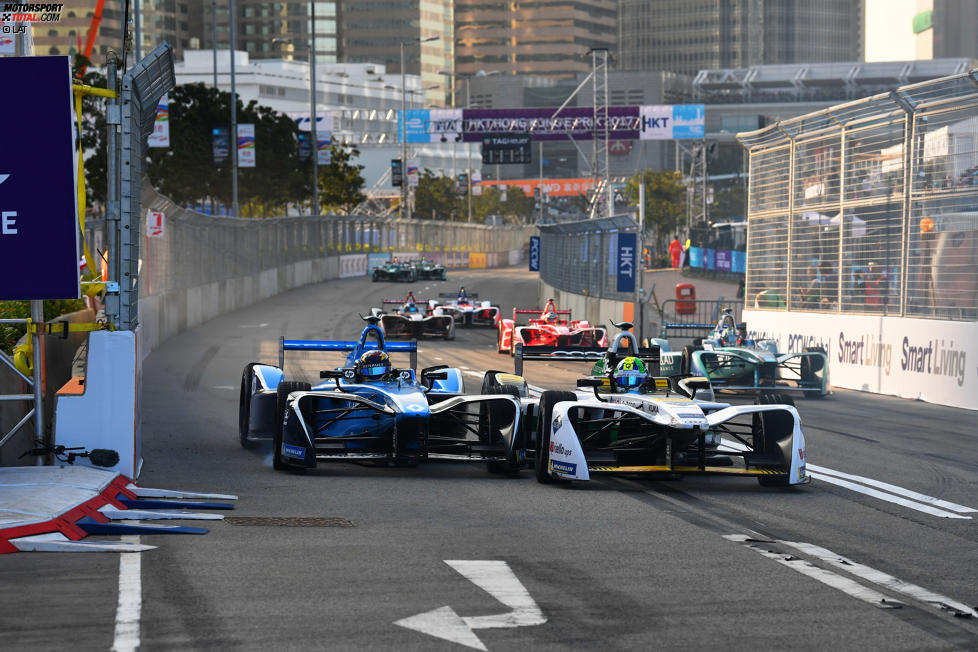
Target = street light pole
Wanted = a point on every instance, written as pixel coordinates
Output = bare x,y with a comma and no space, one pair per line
405,191
234,119
405,209
313,118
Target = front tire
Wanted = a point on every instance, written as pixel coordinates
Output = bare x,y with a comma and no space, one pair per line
542,462
285,388
244,409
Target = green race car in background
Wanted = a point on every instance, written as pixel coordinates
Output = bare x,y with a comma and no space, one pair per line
733,362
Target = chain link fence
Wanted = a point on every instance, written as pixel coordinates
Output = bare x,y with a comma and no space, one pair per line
869,207
580,257
197,249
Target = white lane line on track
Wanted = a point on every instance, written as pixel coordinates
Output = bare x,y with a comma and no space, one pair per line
844,584
925,505
937,502
129,609
883,579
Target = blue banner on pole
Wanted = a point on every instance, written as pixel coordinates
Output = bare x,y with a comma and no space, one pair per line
534,253
38,199
627,243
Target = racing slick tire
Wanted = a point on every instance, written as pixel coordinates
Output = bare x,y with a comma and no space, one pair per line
499,342
491,385
769,425
444,275
810,366
244,408
285,388
375,277
542,461
412,277
686,364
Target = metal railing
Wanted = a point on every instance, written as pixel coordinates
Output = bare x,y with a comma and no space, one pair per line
695,317
579,257
870,206
197,249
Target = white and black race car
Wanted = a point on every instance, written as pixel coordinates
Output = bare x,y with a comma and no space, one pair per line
667,426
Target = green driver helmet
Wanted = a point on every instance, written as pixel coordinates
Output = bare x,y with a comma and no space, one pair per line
630,373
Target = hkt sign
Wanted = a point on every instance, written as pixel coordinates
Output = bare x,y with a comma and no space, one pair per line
38,199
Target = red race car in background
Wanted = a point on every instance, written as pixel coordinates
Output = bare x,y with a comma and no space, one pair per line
552,327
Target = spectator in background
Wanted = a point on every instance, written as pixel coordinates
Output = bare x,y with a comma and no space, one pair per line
811,293
877,286
859,287
829,281
675,249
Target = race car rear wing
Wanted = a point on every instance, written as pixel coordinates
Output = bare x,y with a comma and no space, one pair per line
454,295
649,355
345,347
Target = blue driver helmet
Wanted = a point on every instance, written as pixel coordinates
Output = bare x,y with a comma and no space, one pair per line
630,373
373,365
412,307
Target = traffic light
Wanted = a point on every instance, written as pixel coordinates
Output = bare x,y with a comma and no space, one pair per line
397,172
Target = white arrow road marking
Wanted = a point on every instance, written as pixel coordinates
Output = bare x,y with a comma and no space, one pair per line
499,581
881,578
4,177
847,586
899,496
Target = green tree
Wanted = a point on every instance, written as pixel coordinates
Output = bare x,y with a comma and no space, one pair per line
665,199
435,198
186,172
341,182
729,201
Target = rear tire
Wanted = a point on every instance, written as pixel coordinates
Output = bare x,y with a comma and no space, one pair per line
285,388
811,366
542,461
686,364
375,277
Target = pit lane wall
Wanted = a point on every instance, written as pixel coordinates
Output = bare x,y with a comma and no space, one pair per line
931,360
204,266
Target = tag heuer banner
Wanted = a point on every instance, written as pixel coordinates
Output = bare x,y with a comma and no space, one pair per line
669,121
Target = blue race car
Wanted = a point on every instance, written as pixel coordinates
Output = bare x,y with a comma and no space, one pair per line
368,410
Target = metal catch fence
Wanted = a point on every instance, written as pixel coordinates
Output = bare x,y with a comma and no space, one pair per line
197,249
870,206
579,256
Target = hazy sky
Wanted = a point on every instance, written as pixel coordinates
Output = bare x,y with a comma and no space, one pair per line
889,33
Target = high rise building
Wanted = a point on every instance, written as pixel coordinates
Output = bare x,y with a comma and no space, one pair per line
548,38
686,36
71,31
268,30
955,28
372,31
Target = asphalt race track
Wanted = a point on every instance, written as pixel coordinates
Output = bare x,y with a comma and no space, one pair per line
879,552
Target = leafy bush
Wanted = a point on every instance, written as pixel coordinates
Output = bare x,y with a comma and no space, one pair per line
10,333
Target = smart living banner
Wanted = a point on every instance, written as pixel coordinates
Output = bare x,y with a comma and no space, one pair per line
925,359
668,121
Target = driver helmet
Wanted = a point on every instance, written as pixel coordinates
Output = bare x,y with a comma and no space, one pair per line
373,365
729,336
411,307
630,373
551,318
